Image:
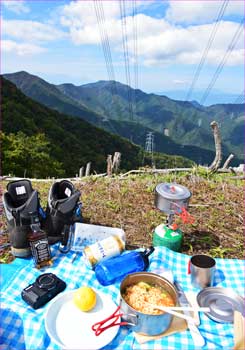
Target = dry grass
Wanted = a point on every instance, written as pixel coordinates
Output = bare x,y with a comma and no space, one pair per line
216,204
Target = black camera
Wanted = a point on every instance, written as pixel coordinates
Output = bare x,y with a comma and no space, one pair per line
46,287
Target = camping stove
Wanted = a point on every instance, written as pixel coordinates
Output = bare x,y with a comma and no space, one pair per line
172,199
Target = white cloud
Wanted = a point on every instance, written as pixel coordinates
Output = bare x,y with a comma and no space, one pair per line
159,42
80,18
16,6
10,46
201,11
186,45
180,38
79,14
30,30
82,13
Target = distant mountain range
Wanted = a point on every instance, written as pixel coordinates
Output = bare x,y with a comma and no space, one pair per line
106,105
72,142
216,97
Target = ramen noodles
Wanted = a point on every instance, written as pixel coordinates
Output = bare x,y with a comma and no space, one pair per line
140,295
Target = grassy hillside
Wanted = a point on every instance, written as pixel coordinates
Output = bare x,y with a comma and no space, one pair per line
216,204
41,142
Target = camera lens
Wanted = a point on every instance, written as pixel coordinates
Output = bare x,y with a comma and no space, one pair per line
46,281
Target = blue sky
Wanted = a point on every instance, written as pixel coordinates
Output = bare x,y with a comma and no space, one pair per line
60,41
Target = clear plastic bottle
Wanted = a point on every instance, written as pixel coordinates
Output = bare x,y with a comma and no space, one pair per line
87,234
115,269
39,244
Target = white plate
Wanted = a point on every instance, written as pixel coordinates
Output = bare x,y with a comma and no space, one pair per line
70,328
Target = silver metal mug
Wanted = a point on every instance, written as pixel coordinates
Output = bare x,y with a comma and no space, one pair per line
202,269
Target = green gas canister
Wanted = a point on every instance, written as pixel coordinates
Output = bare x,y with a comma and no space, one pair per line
166,236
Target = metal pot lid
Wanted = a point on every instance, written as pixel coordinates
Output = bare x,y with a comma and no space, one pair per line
173,191
222,303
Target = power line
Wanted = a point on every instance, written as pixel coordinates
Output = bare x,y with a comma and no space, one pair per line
223,61
126,55
239,99
112,76
104,38
100,16
135,38
205,53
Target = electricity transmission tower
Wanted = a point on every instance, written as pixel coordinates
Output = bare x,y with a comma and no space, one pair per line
149,146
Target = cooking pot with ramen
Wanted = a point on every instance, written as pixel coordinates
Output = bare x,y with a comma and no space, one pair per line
139,321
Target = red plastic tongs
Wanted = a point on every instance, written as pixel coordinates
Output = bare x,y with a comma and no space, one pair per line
101,326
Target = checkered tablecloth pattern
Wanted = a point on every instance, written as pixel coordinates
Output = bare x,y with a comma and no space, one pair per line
23,328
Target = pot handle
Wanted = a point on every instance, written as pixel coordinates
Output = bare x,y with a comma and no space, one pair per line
131,322
110,321
185,216
128,317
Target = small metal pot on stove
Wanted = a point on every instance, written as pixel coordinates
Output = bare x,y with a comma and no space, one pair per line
169,197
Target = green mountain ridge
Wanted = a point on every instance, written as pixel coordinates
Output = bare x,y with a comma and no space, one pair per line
39,141
138,132
49,95
187,123
107,107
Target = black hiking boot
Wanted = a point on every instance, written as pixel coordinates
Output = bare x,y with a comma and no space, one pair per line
20,203
63,209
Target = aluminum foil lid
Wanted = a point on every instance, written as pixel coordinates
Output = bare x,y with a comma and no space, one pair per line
222,303
173,191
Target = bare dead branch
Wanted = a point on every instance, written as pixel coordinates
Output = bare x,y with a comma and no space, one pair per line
218,152
116,162
232,170
81,171
109,165
242,177
155,171
88,167
228,160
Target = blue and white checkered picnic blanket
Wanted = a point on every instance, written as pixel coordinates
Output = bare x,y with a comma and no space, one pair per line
23,328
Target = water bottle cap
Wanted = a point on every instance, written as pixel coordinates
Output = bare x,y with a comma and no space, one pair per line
145,256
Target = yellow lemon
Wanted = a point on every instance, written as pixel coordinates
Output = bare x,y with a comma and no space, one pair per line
85,298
